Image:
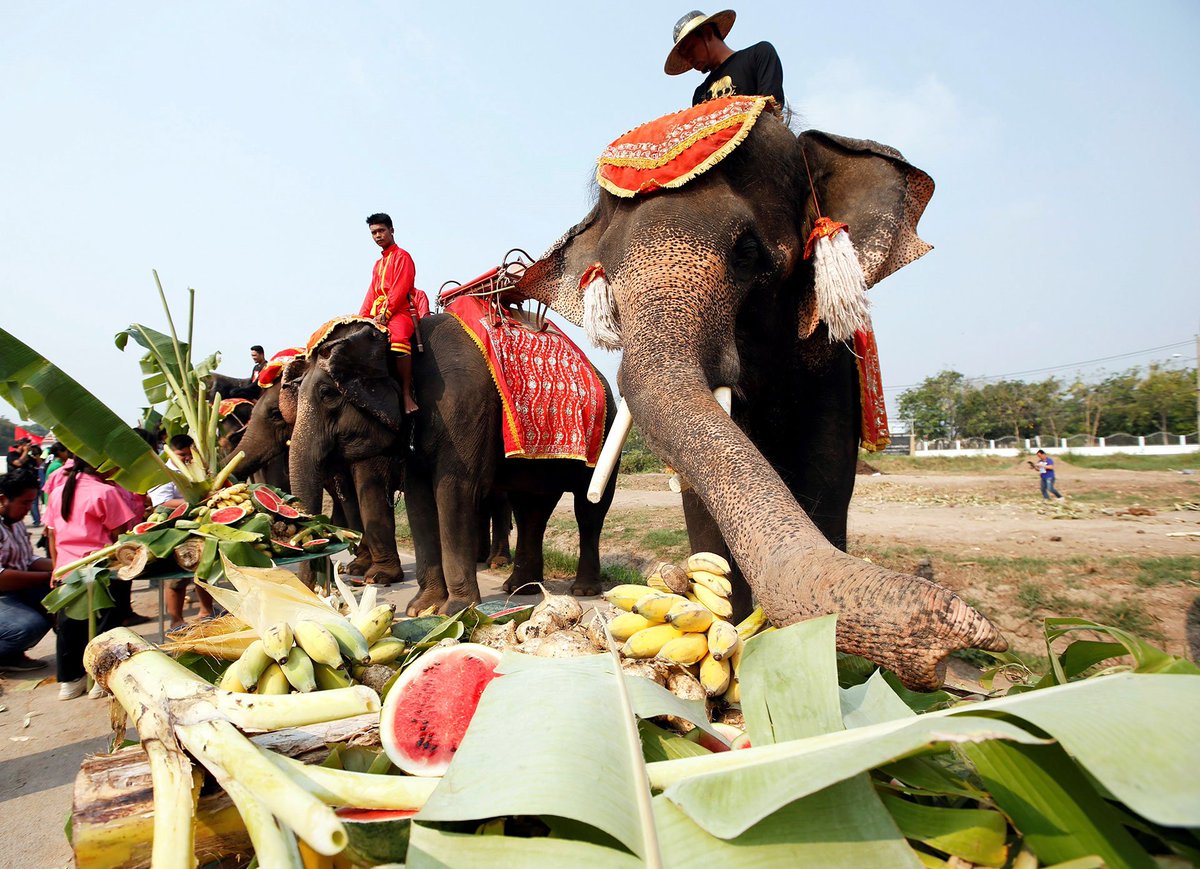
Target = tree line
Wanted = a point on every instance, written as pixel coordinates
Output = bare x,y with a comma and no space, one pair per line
1138,401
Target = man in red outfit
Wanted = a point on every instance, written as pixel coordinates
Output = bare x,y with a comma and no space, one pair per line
389,300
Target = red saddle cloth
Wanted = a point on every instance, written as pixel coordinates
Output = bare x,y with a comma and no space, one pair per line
553,400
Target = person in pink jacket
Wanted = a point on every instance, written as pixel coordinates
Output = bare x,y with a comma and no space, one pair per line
83,514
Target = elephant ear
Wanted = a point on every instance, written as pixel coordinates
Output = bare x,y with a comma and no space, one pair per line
873,189
356,358
554,279
289,388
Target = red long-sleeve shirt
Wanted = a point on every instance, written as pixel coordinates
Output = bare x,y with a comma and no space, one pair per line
391,285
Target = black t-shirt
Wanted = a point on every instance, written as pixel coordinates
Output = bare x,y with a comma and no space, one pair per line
753,71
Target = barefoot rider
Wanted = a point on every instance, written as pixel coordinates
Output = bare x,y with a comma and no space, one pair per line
389,300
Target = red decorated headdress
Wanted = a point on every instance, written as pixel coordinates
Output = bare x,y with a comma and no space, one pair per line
273,370
322,333
229,405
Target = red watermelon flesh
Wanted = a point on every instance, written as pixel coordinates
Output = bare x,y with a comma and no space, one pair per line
228,515
429,707
143,527
177,513
266,499
351,814
287,511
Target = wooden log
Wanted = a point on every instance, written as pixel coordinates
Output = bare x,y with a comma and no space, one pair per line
187,553
133,559
113,813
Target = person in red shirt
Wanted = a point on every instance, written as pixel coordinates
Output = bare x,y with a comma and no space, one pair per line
390,302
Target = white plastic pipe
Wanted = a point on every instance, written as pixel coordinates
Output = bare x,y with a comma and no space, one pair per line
610,453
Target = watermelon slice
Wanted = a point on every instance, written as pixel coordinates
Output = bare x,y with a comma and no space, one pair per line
178,513
285,546
429,707
229,515
265,498
707,740
143,527
316,544
377,836
287,511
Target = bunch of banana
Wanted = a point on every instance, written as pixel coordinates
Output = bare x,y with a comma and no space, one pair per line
682,616
231,496
308,656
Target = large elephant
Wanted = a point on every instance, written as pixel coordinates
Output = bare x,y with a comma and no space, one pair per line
349,407
708,286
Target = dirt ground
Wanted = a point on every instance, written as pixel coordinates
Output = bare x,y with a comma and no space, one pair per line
1107,552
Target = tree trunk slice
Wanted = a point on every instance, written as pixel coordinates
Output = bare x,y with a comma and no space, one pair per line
133,559
113,813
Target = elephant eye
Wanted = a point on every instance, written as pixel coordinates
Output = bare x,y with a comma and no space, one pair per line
746,256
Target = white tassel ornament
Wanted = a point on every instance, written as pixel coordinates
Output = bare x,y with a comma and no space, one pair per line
601,320
841,287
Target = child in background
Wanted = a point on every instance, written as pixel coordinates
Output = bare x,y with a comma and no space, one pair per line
83,514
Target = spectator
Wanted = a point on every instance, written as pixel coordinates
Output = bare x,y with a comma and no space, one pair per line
259,356
33,462
59,455
24,578
1045,467
83,514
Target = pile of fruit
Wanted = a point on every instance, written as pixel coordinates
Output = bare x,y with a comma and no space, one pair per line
248,524
681,616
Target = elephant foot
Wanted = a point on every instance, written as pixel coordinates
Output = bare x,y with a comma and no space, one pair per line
428,598
521,584
359,565
385,575
902,623
585,587
455,605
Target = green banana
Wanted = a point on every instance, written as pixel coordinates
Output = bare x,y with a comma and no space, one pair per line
274,681
387,650
298,668
277,641
376,623
251,664
329,678
317,643
350,640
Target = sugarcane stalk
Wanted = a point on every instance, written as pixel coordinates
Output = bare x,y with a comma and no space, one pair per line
339,787
183,371
227,471
263,712
274,844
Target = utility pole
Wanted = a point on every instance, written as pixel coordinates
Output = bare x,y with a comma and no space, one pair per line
1198,387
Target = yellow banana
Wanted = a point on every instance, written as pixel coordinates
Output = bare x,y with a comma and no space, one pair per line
230,681
752,624
688,616
350,640
686,650
656,605
709,561
298,668
714,676
647,642
329,678
626,625
387,650
733,694
376,623
274,681
317,643
720,606
722,639
625,596
251,664
712,581
277,641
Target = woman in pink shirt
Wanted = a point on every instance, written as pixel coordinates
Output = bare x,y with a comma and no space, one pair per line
83,514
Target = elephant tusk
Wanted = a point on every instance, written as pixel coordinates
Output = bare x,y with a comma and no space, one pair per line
610,453
724,397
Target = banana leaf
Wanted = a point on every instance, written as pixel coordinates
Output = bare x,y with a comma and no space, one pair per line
160,541
42,392
70,597
975,835
431,848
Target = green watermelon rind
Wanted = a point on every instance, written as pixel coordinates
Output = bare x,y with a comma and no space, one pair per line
264,493
428,667
377,836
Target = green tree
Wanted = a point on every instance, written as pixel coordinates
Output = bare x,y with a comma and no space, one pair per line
936,406
1165,399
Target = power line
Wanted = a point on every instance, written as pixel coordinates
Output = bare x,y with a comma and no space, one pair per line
1050,368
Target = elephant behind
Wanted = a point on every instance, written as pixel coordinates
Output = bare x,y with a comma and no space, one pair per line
707,285
349,406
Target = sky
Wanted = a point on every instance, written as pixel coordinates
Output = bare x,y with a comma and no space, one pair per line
237,148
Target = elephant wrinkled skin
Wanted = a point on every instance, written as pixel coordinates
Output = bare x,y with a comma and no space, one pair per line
711,289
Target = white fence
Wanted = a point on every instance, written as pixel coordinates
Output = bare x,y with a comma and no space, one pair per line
1159,444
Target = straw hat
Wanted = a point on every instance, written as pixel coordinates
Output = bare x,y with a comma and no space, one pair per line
688,24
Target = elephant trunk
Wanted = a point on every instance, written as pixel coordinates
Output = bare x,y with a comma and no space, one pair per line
307,459
906,624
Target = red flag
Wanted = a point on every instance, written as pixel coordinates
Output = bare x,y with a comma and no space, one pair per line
19,433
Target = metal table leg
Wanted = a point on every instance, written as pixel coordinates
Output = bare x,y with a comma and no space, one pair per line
162,623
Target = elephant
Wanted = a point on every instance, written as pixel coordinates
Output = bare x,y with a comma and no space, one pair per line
232,387
708,286
349,406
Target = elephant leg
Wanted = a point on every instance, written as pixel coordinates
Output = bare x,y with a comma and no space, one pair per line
373,486
590,519
501,525
483,530
456,498
426,532
345,513
532,512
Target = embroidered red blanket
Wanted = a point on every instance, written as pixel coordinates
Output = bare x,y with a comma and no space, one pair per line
875,434
552,398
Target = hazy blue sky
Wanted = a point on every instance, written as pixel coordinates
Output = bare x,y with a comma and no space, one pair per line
238,147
